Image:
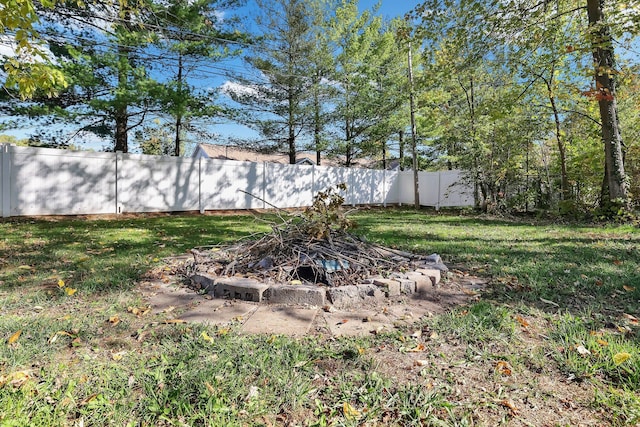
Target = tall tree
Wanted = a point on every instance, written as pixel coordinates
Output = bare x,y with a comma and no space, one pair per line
615,187
275,107
363,50
192,34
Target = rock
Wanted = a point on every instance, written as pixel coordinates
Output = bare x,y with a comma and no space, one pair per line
407,286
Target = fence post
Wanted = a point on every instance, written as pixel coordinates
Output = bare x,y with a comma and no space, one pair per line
439,192
118,159
200,201
264,184
313,182
5,160
384,188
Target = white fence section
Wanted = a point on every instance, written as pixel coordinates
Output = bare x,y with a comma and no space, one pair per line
39,181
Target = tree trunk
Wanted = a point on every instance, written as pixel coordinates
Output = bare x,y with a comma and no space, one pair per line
176,151
562,152
615,177
414,147
121,115
401,149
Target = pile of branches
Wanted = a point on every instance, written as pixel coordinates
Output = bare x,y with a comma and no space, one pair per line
313,247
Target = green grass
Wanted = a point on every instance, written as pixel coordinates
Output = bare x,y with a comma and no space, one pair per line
578,286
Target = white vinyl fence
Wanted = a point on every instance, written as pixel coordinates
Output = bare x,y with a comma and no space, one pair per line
40,181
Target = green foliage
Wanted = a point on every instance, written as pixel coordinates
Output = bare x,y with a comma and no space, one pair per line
326,215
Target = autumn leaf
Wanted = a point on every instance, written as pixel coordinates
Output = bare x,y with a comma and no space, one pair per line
224,331
620,358
114,320
617,262
13,338
503,368
349,411
522,321
210,387
60,283
15,379
118,356
206,337
70,291
88,399
602,342
631,318
417,349
628,288
508,403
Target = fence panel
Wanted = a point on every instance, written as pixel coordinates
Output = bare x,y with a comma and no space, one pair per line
454,190
157,183
45,181
228,184
288,186
38,181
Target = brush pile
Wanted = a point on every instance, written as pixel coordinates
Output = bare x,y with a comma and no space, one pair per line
313,247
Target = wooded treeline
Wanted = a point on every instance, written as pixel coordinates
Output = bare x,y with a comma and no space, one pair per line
538,100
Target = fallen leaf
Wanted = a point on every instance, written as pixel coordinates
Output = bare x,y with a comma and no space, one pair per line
13,338
508,403
421,363
503,368
602,342
61,283
114,320
70,291
628,288
617,262
206,337
596,333
599,283
223,331
361,350
620,358
210,387
25,267
118,356
582,350
55,336
522,321
434,335
417,349
631,318
88,399
15,379
349,411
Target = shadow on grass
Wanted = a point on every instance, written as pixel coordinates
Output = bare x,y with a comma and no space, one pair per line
105,255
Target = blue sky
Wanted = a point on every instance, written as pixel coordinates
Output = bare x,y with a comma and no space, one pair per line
388,9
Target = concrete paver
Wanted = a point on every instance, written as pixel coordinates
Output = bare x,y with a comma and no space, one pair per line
286,320
224,313
360,322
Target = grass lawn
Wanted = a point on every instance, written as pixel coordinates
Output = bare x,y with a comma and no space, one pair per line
553,340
